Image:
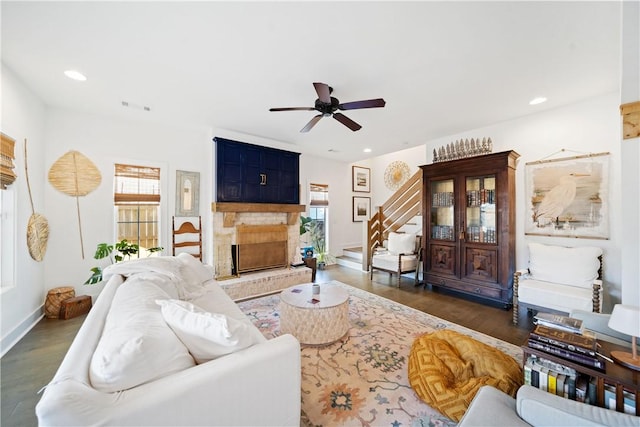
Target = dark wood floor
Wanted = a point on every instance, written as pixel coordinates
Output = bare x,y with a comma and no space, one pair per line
31,363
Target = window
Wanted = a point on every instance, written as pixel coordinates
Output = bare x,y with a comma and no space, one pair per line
319,207
137,205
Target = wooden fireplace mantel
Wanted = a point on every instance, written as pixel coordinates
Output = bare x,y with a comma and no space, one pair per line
230,209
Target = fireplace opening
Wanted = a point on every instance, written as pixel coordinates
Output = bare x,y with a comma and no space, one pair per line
260,247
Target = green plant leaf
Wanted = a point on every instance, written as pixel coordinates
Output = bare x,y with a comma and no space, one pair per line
103,250
95,277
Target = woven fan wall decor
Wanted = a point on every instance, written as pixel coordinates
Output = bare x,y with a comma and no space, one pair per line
75,175
38,226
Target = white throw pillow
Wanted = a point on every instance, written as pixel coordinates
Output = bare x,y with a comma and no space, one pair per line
206,335
568,266
192,276
136,345
402,243
197,269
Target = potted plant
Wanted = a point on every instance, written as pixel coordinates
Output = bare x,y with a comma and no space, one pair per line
124,249
317,237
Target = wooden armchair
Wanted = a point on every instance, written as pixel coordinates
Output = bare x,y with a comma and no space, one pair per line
559,279
402,255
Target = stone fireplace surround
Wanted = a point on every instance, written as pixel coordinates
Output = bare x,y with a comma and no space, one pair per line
226,217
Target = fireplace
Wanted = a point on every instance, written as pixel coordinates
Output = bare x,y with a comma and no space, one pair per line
266,236
260,247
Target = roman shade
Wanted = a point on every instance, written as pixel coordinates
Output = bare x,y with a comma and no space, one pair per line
319,195
136,184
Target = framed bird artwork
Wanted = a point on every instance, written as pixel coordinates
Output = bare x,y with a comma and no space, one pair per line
568,197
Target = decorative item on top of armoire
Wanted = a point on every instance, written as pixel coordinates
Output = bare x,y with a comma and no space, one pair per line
75,175
7,176
568,196
396,174
463,149
469,224
187,193
38,226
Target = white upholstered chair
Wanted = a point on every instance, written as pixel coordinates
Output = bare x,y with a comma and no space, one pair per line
559,279
401,255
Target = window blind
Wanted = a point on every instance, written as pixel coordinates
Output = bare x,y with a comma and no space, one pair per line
7,176
136,184
319,194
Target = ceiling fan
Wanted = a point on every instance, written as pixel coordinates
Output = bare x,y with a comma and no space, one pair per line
327,105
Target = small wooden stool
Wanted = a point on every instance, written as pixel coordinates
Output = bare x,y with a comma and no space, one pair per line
54,299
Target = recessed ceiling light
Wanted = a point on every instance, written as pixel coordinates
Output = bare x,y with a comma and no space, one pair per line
367,150
75,75
538,100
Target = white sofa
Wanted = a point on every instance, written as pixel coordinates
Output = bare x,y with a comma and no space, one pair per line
96,382
559,279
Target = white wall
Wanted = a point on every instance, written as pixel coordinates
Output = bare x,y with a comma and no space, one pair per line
23,116
630,92
592,126
106,141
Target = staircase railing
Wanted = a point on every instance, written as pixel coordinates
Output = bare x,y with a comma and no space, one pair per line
400,208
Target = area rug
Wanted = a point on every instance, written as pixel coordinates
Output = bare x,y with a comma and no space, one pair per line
361,380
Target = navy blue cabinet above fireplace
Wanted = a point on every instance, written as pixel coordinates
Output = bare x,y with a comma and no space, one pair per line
248,173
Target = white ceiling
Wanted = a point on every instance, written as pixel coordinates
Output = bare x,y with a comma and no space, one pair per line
442,67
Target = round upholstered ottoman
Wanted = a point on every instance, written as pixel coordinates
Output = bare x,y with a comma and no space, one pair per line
447,368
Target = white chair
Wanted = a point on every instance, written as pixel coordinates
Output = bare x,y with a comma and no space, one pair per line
559,279
402,255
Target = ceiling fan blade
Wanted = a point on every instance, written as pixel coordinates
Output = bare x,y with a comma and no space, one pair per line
292,109
324,94
311,123
347,121
367,103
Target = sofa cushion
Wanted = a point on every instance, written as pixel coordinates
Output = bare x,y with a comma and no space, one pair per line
540,408
402,243
390,262
206,335
193,270
568,266
136,346
550,295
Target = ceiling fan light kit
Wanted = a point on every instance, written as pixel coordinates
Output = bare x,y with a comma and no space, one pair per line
328,106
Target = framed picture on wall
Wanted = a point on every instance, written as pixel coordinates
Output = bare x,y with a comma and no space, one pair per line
187,193
568,197
361,208
361,178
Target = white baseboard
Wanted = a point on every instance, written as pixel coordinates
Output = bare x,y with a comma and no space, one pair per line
12,338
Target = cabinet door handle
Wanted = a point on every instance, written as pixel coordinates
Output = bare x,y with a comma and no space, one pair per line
263,179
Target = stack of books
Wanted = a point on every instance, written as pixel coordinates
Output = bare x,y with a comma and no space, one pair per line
553,378
565,337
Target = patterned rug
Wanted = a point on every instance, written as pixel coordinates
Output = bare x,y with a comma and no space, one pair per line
361,380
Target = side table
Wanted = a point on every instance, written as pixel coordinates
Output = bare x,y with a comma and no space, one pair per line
318,323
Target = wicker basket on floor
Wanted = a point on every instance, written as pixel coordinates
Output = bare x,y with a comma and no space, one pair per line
54,299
